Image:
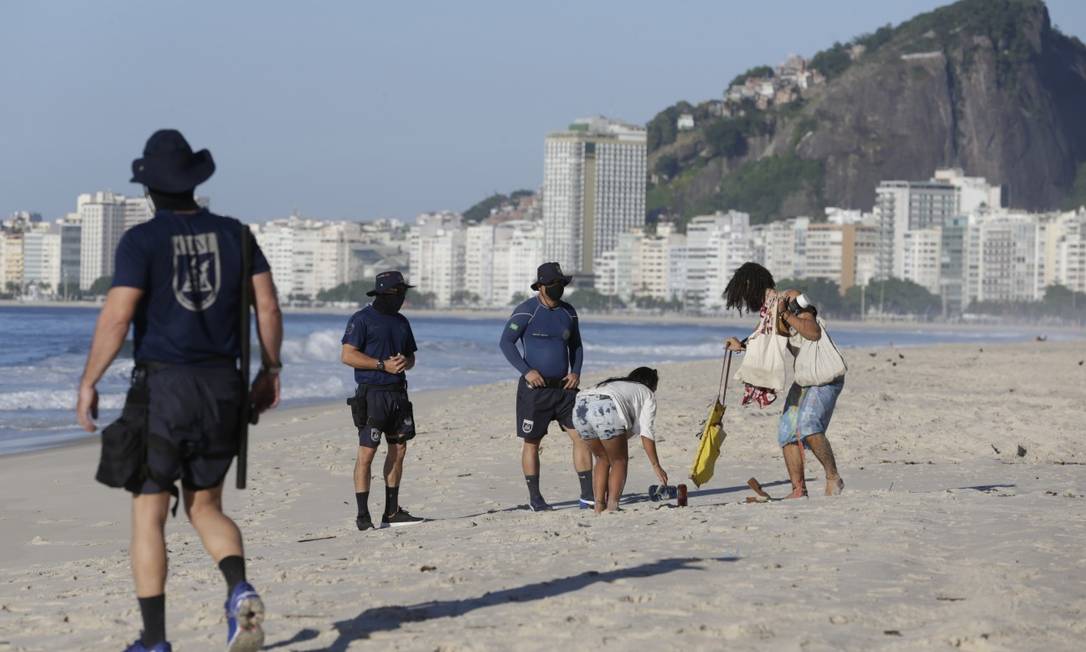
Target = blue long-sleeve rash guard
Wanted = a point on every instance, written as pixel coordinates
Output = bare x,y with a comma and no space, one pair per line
551,339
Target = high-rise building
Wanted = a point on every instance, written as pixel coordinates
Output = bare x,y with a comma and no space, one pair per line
923,257
1004,253
974,193
781,247
71,232
593,190
41,258
1065,250
518,252
716,245
641,265
11,261
842,253
901,206
953,264
102,216
436,253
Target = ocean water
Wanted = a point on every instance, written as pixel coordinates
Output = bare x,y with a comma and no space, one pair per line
42,352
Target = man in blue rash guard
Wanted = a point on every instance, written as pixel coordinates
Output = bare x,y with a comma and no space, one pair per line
550,368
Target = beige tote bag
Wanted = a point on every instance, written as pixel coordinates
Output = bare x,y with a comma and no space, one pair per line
819,362
763,362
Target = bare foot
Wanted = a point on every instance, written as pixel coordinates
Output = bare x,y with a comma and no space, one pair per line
799,492
834,486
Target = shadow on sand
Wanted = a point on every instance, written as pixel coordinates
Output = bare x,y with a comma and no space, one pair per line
390,618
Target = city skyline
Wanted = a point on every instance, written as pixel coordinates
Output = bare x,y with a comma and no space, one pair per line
344,112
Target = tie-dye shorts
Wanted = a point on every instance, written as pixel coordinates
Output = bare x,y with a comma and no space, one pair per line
807,411
596,417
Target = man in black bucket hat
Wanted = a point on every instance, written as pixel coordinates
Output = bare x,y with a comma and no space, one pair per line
550,369
179,278
379,345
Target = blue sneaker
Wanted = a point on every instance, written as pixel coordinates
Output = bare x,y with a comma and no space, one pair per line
539,505
244,613
587,504
138,646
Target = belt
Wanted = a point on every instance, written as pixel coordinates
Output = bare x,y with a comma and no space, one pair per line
391,387
554,383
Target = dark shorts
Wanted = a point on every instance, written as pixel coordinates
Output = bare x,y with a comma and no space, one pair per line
538,406
193,415
388,412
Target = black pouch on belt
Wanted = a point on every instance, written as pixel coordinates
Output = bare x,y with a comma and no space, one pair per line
357,404
124,442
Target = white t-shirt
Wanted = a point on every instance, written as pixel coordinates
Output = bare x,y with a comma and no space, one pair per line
636,405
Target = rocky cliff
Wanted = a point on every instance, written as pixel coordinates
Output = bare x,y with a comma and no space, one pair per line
985,85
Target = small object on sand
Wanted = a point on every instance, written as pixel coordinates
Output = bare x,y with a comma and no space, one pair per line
680,498
872,354
981,350
658,492
426,568
891,632
1021,450
995,449
1042,338
1080,362
756,487
901,356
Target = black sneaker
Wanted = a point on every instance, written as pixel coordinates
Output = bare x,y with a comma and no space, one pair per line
539,505
401,517
364,522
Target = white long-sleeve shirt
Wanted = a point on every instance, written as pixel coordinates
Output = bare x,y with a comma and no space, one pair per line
636,405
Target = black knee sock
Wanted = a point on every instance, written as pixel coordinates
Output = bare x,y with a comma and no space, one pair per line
392,500
153,611
233,570
585,478
363,499
533,487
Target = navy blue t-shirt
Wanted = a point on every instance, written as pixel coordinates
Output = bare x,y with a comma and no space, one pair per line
550,336
379,336
189,268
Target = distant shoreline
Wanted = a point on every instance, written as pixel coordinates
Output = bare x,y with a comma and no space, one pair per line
629,318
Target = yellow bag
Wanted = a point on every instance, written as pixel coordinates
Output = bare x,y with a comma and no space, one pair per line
713,435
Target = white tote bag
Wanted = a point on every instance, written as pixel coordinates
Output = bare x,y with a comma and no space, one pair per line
819,362
763,362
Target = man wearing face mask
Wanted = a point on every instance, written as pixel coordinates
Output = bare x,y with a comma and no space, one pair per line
379,345
550,369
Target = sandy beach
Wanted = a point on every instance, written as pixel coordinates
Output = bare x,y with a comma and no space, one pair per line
961,527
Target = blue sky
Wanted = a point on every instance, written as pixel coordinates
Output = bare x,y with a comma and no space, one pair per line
362,109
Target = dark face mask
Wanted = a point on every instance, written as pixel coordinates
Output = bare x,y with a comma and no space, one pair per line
388,304
555,292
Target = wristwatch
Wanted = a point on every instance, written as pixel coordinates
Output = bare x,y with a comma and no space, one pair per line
380,365
271,369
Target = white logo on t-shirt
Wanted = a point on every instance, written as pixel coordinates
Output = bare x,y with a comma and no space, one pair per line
197,270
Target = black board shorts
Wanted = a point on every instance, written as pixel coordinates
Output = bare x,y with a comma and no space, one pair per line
538,406
388,412
193,414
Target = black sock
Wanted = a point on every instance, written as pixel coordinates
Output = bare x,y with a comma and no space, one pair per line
533,487
392,500
233,570
363,499
153,611
585,478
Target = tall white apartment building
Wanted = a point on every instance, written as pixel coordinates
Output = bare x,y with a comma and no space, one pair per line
137,210
11,260
781,247
901,206
436,252
923,257
606,273
479,261
1065,250
593,190
641,263
41,257
518,252
716,245
1003,257
102,216
974,193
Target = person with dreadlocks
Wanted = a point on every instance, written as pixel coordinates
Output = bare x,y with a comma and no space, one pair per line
606,416
807,410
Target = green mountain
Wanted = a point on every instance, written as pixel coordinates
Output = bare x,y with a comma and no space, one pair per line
989,86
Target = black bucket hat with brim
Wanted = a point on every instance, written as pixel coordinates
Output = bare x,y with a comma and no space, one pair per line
168,163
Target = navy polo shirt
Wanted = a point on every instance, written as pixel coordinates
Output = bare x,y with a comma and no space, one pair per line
189,267
551,338
379,336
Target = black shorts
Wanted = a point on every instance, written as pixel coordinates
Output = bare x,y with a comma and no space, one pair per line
387,412
538,406
194,413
